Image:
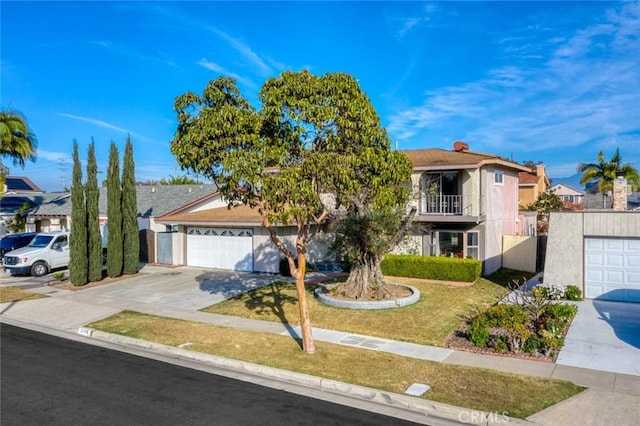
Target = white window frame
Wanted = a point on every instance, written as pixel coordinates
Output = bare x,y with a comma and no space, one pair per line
498,178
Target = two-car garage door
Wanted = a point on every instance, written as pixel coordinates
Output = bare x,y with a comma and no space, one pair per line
612,269
221,248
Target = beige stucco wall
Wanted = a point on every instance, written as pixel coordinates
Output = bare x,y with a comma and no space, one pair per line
179,246
564,263
266,256
519,252
501,212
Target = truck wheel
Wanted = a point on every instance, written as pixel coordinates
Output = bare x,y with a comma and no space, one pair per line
39,269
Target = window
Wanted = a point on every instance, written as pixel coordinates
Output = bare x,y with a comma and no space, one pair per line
498,177
472,245
458,244
451,243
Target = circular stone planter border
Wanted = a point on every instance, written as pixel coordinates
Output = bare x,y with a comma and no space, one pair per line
367,304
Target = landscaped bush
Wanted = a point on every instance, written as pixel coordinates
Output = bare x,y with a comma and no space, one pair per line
431,267
534,324
573,292
551,291
556,292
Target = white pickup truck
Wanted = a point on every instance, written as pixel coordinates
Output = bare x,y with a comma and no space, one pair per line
47,251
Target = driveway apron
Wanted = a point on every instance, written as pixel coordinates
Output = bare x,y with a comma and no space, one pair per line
604,336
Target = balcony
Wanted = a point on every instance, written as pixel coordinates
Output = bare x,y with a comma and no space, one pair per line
449,208
443,205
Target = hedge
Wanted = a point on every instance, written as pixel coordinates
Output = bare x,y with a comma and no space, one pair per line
432,267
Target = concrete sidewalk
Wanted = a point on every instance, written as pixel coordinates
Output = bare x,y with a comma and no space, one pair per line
612,397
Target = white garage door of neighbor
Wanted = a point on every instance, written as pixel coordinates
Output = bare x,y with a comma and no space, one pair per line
222,248
612,269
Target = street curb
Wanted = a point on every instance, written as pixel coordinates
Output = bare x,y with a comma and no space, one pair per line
428,408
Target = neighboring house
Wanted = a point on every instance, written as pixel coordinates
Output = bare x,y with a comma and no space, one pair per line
466,203
598,250
234,239
20,185
572,198
531,184
52,211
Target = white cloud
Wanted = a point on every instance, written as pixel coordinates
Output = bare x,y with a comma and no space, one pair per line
93,121
104,124
244,50
132,53
212,66
53,156
586,93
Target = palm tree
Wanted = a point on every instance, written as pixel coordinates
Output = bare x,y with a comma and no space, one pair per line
17,141
605,172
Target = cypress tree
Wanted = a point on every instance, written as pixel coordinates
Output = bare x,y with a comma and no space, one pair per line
131,243
78,263
92,196
114,215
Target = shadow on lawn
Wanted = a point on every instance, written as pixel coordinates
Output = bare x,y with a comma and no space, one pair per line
270,298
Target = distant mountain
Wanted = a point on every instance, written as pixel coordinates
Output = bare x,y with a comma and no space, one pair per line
573,181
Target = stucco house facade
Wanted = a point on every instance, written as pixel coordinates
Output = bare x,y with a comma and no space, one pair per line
531,184
466,202
570,196
597,250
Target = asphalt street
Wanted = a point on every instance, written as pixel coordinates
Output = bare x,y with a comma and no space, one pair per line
54,381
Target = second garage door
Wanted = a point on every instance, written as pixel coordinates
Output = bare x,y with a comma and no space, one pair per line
612,269
221,248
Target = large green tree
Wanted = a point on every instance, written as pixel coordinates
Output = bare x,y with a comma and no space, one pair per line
114,215
131,239
317,138
92,195
605,172
78,263
18,142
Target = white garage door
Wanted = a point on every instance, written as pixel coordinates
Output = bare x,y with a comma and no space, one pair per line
612,269
222,248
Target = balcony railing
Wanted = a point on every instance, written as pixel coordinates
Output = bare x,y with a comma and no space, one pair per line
446,205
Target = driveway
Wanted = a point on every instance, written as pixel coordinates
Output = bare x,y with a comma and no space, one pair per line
604,336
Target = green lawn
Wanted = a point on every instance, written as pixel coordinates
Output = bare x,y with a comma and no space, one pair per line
481,389
15,294
440,311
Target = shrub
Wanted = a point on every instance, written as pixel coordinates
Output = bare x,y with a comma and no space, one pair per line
432,267
504,315
573,292
551,291
499,343
563,311
283,267
58,275
478,333
533,343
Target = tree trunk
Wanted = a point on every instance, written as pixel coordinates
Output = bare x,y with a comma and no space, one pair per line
305,323
365,280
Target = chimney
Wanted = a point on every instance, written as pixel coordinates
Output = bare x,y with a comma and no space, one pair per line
620,194
460,146
539,169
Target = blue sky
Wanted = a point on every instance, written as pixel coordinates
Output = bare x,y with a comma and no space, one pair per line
545,81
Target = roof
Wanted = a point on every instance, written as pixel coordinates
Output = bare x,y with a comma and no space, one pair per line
21,184
577,191
158,200
10,204
152,201
437,158
239,215
528,178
